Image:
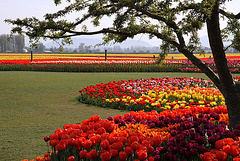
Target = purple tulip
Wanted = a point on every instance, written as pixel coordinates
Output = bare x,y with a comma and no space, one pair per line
46,138
236,132
152,125
170,156
166,120
211,140
193,152
180,137
183,143
187,154
230,134
210,132
162,149
188,125
157,158
238,126
182,150
173,132
110,118
156,152
200,140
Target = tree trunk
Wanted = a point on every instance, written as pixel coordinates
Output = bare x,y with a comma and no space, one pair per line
203,67
228,87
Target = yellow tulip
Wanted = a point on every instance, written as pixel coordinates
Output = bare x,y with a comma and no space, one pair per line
132,101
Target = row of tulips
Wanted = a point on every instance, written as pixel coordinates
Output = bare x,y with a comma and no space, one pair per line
154,94
65,65
181,134
89,66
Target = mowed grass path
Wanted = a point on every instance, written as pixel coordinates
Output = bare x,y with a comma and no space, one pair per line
34,104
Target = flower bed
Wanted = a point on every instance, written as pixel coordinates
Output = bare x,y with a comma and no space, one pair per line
153,94
191,124
126,65
180,134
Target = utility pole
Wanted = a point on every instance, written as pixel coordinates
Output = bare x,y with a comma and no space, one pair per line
31,50
105,55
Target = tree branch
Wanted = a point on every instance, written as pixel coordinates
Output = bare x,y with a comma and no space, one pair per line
76,33
229,15
171,24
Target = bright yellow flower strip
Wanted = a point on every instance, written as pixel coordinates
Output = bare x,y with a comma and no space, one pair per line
172,98
24,56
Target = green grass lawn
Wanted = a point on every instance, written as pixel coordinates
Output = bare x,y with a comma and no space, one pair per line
34,104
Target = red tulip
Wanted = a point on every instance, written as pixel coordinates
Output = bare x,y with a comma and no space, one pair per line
117,145
71,141
122,156
87,144
53,142
142,154
92,154
71,158
108,126
219,144
61,146
129,151
114,152
106,156
83,154
150,159
104,144
135,145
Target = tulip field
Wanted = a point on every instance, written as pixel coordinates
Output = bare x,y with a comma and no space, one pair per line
114,63
165,119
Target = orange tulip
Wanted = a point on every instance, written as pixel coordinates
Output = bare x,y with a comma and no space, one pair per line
232,150
219,144
142,154
219,155
236,158
208,157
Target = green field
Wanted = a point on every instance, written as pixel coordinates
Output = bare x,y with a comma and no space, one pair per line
34,104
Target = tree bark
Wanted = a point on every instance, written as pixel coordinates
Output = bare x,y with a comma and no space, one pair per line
228,87
203,67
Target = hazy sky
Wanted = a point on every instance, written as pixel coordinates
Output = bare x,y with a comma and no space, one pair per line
13,9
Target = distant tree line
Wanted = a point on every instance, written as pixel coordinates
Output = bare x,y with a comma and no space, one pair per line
83,48
12,43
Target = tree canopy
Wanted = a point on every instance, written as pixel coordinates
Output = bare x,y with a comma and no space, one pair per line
169,20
